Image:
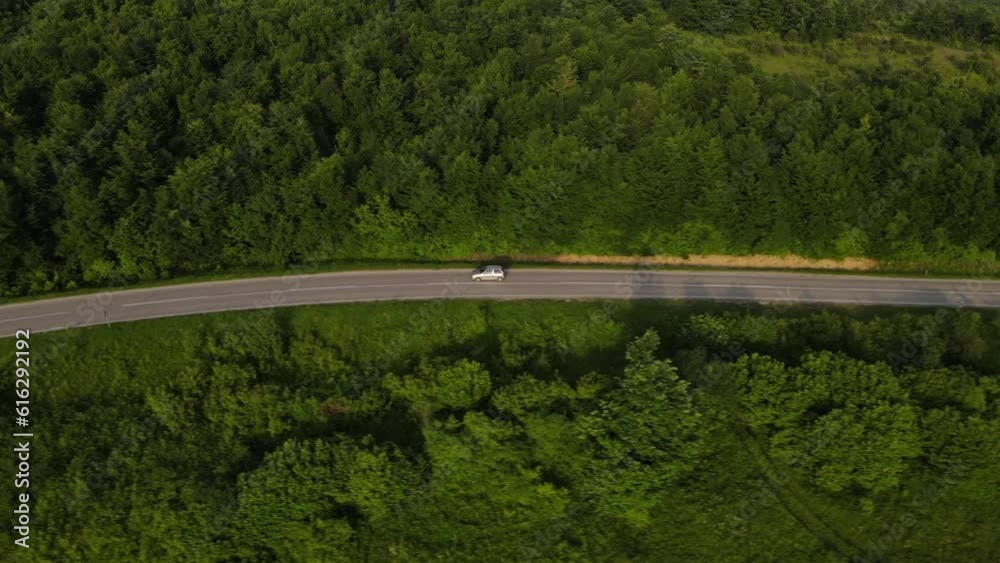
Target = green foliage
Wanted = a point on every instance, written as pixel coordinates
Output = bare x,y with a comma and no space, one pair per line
147,139
461,385
526,394
646,435
291,497
870,447
846,420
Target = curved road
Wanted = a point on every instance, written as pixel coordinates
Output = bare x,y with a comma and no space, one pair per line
344,287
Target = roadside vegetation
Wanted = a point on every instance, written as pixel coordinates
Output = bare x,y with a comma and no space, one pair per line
143,140
542,431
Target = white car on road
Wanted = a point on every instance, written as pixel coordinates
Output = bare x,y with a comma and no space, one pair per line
489,273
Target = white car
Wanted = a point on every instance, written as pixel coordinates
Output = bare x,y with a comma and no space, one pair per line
489,273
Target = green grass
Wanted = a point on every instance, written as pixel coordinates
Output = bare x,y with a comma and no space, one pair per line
776,56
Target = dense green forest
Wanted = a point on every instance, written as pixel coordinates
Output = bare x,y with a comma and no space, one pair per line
140,139
545,431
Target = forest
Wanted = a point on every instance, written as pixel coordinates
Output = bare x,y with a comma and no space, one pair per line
502,431
144,139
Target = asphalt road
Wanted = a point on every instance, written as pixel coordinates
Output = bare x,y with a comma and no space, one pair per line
346,287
